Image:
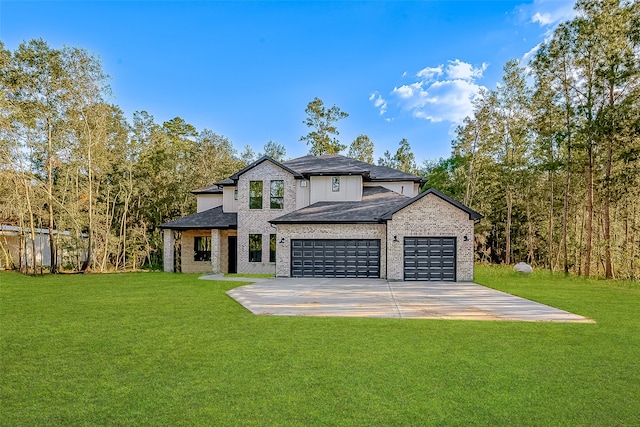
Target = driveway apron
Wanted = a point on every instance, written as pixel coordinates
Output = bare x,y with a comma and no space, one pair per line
379,298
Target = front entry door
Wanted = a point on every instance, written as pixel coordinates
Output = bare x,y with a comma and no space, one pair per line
233,247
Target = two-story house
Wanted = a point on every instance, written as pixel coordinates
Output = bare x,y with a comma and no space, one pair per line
325,216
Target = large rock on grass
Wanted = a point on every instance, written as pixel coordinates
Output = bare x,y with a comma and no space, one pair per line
523,267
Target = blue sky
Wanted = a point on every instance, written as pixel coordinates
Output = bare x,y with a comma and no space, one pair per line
247,70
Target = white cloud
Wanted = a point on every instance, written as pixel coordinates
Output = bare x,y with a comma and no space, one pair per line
457,69
548,13
429,73
378,102
542,19
441,93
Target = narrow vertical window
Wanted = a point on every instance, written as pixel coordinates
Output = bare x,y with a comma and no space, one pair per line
235,194
255,194
335,184
255,247
272,248
277,194
202,248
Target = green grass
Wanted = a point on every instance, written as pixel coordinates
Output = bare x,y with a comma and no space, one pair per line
169,349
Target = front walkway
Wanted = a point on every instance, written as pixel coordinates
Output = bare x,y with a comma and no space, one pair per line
379,298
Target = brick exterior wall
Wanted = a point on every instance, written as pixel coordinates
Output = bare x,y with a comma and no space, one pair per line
431,216
325,231
215,251
255,221
188,265
168,254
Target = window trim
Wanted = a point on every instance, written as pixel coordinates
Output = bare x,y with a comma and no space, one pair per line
255,255
202,255
335,184
256,200
276,198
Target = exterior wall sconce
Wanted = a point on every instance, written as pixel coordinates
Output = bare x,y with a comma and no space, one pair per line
282,241
395,239
465,238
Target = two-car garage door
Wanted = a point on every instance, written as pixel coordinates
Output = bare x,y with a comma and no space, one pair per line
335,258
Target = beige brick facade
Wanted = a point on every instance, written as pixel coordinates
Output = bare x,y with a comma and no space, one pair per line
255,221
188,265
430,216
169,251
325,231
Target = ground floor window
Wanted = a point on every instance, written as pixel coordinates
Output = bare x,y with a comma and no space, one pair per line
255,247
272,248
202,248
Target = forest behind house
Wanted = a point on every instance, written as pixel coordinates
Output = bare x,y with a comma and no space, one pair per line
550,157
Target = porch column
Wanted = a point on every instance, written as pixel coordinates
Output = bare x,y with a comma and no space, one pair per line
169,251
215,251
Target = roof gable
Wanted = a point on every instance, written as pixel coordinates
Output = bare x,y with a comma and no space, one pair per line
262,159
472,214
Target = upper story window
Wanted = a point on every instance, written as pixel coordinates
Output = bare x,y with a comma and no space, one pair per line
202,248
277,194
335,184
255,194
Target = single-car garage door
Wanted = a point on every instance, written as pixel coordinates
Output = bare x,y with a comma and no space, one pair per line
430,258
335,258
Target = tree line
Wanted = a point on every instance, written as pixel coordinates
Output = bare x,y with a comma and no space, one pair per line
551,157
70,161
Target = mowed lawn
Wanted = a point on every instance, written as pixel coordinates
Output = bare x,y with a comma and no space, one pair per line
169,349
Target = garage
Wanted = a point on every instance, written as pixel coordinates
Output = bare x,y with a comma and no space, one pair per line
335,258
430,258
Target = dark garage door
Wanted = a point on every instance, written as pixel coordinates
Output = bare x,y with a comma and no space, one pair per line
335,258
430,258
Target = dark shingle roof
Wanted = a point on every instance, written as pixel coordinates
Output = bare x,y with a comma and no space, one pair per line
376,201
472,214
212,218
212,189
335,164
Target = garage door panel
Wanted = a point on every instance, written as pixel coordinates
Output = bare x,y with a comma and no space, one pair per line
335,258
430,258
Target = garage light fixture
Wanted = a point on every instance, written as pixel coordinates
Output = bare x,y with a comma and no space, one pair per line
282,241
395,239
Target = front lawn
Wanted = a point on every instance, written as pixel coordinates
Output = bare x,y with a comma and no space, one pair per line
169,349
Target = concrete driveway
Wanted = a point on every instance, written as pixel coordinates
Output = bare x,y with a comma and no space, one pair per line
379,298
